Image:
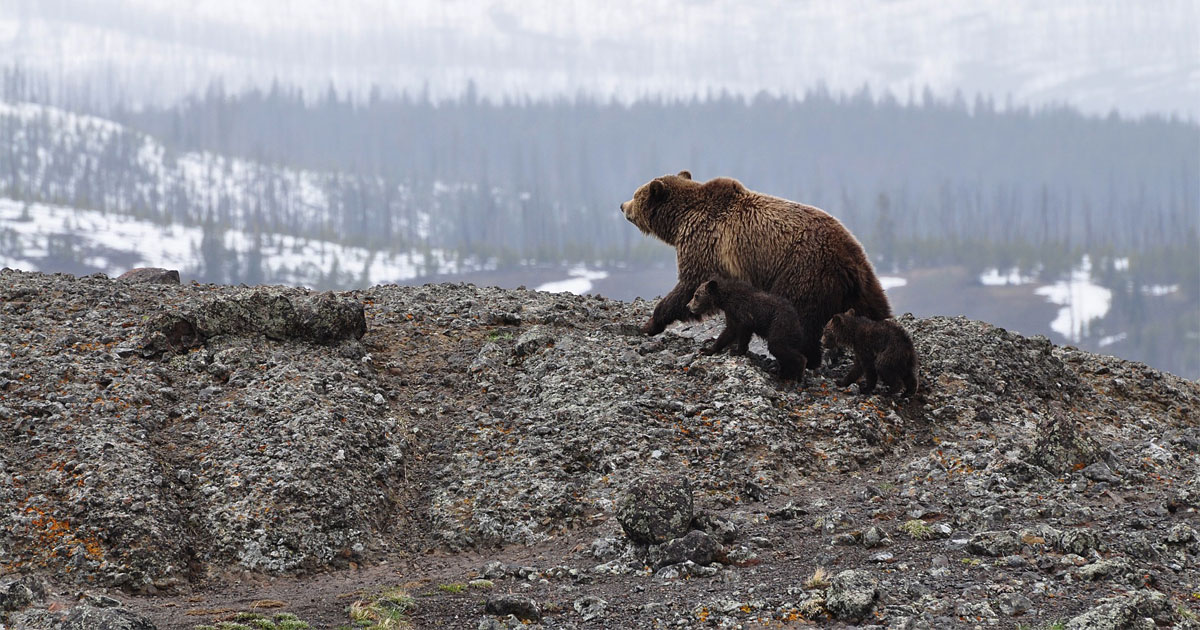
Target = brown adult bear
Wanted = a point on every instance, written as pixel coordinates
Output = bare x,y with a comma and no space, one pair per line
786,248
749,311
882,350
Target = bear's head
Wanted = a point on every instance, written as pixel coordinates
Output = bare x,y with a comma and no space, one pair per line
706,299
654,206
839,330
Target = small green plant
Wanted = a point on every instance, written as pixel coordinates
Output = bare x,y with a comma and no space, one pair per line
917,529
1057,625
387,610
259,621
481,584
887,486
453,587
497,335
1186,613
974,562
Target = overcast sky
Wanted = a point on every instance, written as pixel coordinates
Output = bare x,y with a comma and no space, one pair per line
1137,57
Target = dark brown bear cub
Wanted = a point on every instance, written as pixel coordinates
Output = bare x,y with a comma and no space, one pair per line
749,311
882,350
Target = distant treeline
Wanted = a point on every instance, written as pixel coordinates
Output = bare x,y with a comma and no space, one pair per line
920,182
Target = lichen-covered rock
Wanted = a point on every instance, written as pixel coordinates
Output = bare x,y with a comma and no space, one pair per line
852,595
994,543
1061,446
519,606
695,546
655,510
276,313
1136,610
150,275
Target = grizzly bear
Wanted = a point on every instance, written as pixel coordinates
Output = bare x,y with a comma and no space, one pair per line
795,251
749,311
882,350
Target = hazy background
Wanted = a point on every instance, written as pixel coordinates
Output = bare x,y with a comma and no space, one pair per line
1032,164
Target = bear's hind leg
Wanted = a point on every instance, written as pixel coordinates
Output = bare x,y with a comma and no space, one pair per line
853,375
868,385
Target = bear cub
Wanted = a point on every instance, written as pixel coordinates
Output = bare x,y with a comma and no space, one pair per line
882,350
749,311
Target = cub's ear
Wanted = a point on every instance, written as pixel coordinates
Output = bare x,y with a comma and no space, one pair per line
685,174
850,313
658,192
711,287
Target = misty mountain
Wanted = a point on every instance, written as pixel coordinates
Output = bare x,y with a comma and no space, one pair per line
1097,56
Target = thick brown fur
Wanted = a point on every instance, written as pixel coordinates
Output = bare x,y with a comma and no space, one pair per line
795,251
749,311
882,351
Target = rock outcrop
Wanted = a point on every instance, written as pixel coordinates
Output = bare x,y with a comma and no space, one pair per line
154,437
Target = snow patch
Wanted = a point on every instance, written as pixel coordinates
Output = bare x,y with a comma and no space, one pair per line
891,282
993,278
1081,301
580,281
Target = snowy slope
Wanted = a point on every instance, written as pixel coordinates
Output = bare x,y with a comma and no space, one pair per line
44,237
1094,54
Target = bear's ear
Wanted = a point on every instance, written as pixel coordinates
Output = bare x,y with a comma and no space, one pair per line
850,313
658,192
685,174
711,287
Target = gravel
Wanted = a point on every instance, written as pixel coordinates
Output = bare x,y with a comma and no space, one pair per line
157,440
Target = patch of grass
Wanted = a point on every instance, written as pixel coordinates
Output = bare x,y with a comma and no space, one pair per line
1057,625
819,579
452,587
387,610
887,486
1186,613
497,335
481,584
917,529
972,561
259,621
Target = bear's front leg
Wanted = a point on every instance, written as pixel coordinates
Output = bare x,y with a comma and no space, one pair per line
855,372
722,341
672,308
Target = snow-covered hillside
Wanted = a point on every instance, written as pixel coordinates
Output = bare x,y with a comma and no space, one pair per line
1097,55
43,237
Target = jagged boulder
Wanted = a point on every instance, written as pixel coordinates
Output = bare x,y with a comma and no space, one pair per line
655,510
852,595
150,275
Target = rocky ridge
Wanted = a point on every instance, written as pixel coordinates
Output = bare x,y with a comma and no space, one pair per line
161,440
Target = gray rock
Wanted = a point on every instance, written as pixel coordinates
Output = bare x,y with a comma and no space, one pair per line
1181,533
655,510
1014,604
1060,446
720,528
852,595
1100,471
150,275
91,618
1106,568
533,340
993,543
15,596
695,546
590,607
1123,612
1079,541
521,607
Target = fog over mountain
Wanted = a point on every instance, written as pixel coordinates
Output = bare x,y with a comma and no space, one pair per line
1096,55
